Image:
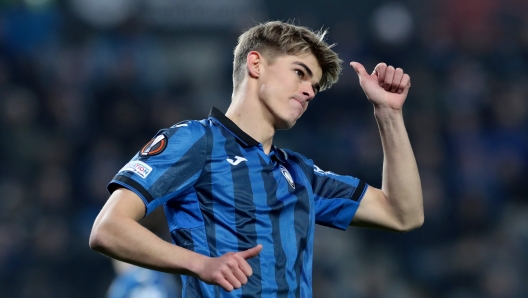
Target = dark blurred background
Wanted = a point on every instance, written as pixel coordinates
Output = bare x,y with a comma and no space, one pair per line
84,84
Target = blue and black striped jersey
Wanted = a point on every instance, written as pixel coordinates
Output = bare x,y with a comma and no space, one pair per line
222,193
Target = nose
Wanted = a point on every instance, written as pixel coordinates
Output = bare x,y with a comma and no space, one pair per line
308,91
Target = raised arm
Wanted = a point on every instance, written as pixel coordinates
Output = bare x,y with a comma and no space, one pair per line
117,234
398,206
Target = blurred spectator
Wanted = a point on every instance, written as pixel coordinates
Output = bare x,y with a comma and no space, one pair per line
136,282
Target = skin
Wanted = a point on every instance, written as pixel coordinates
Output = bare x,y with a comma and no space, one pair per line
274,95
398,205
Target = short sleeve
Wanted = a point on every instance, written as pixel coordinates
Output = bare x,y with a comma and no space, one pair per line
167,166
336,198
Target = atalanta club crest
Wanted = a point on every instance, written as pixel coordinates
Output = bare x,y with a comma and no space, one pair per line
154,147
287,175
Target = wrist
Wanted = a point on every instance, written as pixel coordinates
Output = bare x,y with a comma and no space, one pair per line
196,264
387,113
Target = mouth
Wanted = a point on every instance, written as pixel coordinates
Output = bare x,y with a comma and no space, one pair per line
302,105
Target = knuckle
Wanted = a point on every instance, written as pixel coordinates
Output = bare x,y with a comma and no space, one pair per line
217,276
222,271
232,263
226,269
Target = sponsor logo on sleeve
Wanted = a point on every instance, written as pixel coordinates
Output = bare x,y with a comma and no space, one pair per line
154,147
138,167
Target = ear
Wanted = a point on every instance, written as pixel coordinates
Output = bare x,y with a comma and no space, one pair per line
254,64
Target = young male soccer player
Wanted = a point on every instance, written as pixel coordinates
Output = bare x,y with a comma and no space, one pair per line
242,211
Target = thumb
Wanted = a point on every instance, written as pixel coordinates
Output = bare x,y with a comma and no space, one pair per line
252,252
359,68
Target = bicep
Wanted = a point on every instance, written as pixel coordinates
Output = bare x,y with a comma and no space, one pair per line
374,211
123,203
122,211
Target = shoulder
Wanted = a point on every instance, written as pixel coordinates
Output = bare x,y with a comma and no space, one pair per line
189,126
190,130
305,163
179,136
296,157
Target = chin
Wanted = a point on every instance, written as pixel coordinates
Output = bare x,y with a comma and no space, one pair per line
285,124
286,118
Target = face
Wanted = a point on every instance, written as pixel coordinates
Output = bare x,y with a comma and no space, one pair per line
286,87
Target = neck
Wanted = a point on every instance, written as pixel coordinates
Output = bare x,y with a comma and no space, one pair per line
248,113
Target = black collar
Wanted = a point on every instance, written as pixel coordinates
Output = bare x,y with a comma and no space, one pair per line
280,154
243,137
232,127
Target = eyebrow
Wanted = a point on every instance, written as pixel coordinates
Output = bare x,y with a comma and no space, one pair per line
317,86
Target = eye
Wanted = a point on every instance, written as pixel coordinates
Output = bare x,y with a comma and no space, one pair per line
300,73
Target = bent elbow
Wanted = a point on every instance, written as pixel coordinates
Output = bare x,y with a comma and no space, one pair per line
412,225
97,240
420,221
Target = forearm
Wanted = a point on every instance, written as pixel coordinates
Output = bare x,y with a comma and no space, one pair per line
401,181
125,239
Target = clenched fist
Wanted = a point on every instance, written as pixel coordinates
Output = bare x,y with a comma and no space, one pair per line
231,270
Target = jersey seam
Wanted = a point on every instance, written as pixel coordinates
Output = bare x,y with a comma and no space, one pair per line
206,150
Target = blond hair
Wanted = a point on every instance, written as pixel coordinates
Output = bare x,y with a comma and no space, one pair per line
274,39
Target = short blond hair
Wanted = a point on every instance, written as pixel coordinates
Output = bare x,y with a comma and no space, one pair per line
274,39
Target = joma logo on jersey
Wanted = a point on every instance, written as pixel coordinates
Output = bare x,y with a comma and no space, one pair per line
138,167
237,160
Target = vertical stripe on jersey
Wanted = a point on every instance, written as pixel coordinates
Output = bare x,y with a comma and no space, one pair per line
245,218
264,229
301,221
191,285
270,184
205,197
303,263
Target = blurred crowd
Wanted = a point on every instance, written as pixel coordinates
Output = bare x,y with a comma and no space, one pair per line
78,100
